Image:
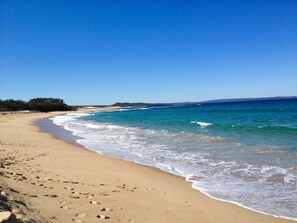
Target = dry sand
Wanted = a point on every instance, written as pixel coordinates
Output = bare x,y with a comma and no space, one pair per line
44,179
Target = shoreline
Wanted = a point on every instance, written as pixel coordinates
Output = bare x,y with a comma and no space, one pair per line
169,192
56,136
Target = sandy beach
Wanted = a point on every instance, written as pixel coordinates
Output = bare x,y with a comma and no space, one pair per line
44,179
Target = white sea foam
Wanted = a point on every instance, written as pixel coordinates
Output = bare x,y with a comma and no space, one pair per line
202,124
290,178
132,109
77,114
93,126
203,160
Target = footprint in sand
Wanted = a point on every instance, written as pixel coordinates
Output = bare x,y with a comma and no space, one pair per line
94,202
74,182
68,188
74,197
101,216
88,194
51,195
33,196
106,209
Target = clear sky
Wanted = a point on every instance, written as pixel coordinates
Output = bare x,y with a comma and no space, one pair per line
102,52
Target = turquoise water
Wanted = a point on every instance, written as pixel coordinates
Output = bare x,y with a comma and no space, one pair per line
244,152
272,123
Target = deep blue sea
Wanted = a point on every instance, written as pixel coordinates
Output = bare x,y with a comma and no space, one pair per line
244,152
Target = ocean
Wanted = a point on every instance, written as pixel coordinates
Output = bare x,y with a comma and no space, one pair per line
241,152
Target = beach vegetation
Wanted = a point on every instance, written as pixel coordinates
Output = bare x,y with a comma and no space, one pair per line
35,104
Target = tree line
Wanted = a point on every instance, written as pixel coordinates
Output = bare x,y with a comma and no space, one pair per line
35,104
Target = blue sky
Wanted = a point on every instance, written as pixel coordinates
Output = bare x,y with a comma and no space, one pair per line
102,52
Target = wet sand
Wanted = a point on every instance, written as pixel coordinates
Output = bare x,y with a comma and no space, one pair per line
44,179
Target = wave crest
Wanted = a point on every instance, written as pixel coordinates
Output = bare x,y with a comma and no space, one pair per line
202,124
